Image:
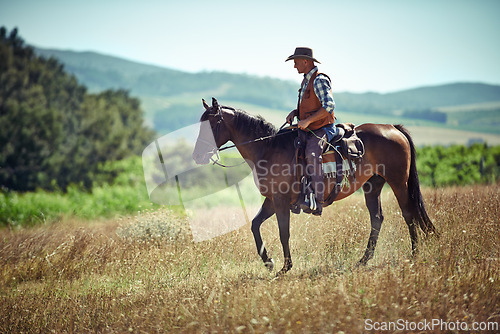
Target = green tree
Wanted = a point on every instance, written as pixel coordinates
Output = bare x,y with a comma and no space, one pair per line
53,132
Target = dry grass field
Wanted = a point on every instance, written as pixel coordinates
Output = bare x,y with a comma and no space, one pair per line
144,274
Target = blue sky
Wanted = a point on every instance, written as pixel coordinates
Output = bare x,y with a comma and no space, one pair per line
380,46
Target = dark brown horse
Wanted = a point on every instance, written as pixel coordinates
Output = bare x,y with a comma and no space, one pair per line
389,157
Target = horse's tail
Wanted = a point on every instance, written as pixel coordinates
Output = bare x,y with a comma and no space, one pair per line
416,200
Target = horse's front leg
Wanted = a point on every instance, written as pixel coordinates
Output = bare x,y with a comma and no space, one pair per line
266,211
282,209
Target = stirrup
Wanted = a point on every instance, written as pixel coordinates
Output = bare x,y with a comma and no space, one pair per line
308,203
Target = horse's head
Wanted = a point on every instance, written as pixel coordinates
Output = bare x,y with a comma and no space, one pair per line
213,133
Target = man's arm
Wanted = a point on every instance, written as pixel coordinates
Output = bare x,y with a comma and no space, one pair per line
323,90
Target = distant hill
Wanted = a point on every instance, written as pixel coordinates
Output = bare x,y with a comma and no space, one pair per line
171,98
422,98
99,72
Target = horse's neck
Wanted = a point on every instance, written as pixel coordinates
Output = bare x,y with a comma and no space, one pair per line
253,147
255,150
249,148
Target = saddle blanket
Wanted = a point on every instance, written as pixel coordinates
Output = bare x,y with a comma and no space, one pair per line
330,168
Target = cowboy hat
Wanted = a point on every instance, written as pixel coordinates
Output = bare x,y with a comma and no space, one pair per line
306,53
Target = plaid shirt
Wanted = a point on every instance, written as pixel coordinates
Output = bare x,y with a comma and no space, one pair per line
322,89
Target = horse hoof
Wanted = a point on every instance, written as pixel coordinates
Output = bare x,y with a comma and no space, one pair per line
269,264
286,268
281,273
360,264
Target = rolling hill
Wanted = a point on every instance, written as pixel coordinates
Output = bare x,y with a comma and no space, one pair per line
171,98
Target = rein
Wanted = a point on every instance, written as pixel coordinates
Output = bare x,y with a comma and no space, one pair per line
291,128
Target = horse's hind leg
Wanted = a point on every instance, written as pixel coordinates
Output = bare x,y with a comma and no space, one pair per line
266,211
372,189
408,211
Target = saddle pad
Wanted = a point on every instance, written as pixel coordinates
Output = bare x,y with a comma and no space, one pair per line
330,168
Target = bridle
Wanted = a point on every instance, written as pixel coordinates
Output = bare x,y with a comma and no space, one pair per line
215,150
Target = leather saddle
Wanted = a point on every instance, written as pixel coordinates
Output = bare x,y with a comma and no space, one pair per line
347,142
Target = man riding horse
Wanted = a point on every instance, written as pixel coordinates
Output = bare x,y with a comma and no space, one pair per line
316,118
390,157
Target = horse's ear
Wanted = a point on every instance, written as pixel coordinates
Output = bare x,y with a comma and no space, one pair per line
205,105
215,104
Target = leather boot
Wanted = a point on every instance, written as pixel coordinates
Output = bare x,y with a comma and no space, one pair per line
319,208
318,192
295,208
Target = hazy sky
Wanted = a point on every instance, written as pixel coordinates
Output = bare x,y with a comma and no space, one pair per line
381,46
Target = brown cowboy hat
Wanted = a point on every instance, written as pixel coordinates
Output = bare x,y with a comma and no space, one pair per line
306,53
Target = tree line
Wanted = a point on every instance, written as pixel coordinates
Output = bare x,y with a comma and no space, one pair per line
53,132
458,164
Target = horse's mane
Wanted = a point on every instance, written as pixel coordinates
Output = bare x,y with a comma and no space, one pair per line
257,127
253,125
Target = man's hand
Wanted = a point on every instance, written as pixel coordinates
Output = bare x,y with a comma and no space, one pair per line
291,116
315,116
303,124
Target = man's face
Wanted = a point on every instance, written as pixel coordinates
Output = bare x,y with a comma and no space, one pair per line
301,65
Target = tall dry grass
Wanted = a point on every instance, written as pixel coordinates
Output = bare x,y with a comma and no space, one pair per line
144,274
